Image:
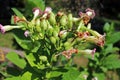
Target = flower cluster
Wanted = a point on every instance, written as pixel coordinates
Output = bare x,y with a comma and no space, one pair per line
61,30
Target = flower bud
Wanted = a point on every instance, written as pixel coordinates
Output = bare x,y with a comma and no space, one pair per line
52,19
63,20
53,40
63,34
43,24
70,22
55,33
67,45
37,12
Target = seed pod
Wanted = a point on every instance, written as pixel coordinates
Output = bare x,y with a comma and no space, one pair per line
70,22
63,20
43,24
52,19
53,40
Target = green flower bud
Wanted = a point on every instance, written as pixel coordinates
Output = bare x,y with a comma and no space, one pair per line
53,40
57,29
70,22
52,19
63,34
55,33
38,29
49,31
37,22
43,58
63,20
43,24
67,45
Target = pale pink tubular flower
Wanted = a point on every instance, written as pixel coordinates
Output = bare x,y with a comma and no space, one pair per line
88,51
93,52
90,13
3,29
37,12
48,10
26,33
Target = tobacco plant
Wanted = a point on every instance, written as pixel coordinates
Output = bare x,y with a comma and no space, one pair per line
51,41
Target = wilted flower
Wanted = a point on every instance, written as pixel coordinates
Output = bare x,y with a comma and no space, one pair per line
18,19
68,53
100,41
88,51
83,34
85,17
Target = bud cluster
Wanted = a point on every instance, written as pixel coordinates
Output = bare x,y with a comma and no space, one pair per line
61,30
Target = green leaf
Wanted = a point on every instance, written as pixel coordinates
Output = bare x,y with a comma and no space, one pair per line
13,78
99,76
72,74
106,27
32,59
29,76
17,12
108,49
12,19
111,62
53,74
30,4
14,58
115,37
27,44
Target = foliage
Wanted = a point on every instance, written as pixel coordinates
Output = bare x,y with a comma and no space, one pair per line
51,41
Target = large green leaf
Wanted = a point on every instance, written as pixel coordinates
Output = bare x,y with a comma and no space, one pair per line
31,57
14,58
27,44
30,4
29,76
115,37
72,74
17,12
13,78
99,76
53,74
111,62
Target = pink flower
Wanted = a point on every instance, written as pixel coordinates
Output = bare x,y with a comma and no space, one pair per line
2,30
26,33
93,52
37,12
88,51
48,10
90,13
